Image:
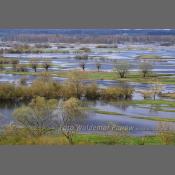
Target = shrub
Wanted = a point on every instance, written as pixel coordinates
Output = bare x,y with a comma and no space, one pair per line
23,81
83,65
45,89
145,68
85,49
34,64
7,91
91,92
165,132
74,87
38,116
114,93
21,68
82,57
9,61
98,66
46,64
107,46
146,94
72,114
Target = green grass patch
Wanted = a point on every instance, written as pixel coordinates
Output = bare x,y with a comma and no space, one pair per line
157,119
148,56
80,139
98,111
154,102
92,75
167,80
131,77
107,112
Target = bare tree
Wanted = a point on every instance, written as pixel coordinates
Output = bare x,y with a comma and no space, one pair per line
98,66
14,63
83,65
21,68
23,81
156,88
1,64
34,64
122,68
70,114
38,116
145,68
46,64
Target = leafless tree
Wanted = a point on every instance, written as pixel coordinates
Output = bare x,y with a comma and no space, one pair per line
145,68
83,65
34,64
70,114
156,88
14,64
122,68
98,66
38,116
46,64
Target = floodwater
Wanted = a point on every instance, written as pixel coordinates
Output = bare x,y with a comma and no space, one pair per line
127,112
125,117
67,61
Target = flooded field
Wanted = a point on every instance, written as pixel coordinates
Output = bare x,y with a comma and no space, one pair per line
67,61
143,118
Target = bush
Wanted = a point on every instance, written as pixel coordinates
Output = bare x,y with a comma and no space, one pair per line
114,93
7,91
45,89
23,81
74,87
91,92
107,46
81,57
21,68
9,61
38,116
146,68
85,49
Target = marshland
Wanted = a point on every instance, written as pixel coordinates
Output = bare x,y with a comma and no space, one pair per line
87,86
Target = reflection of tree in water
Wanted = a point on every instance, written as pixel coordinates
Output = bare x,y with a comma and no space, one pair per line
154,108
123,84
123,104
10,105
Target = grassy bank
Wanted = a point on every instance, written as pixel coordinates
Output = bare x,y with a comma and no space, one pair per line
148,56
85,139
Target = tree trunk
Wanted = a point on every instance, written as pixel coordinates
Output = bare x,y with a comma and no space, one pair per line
154,96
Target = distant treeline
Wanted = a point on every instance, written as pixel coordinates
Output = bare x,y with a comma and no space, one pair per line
107,39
